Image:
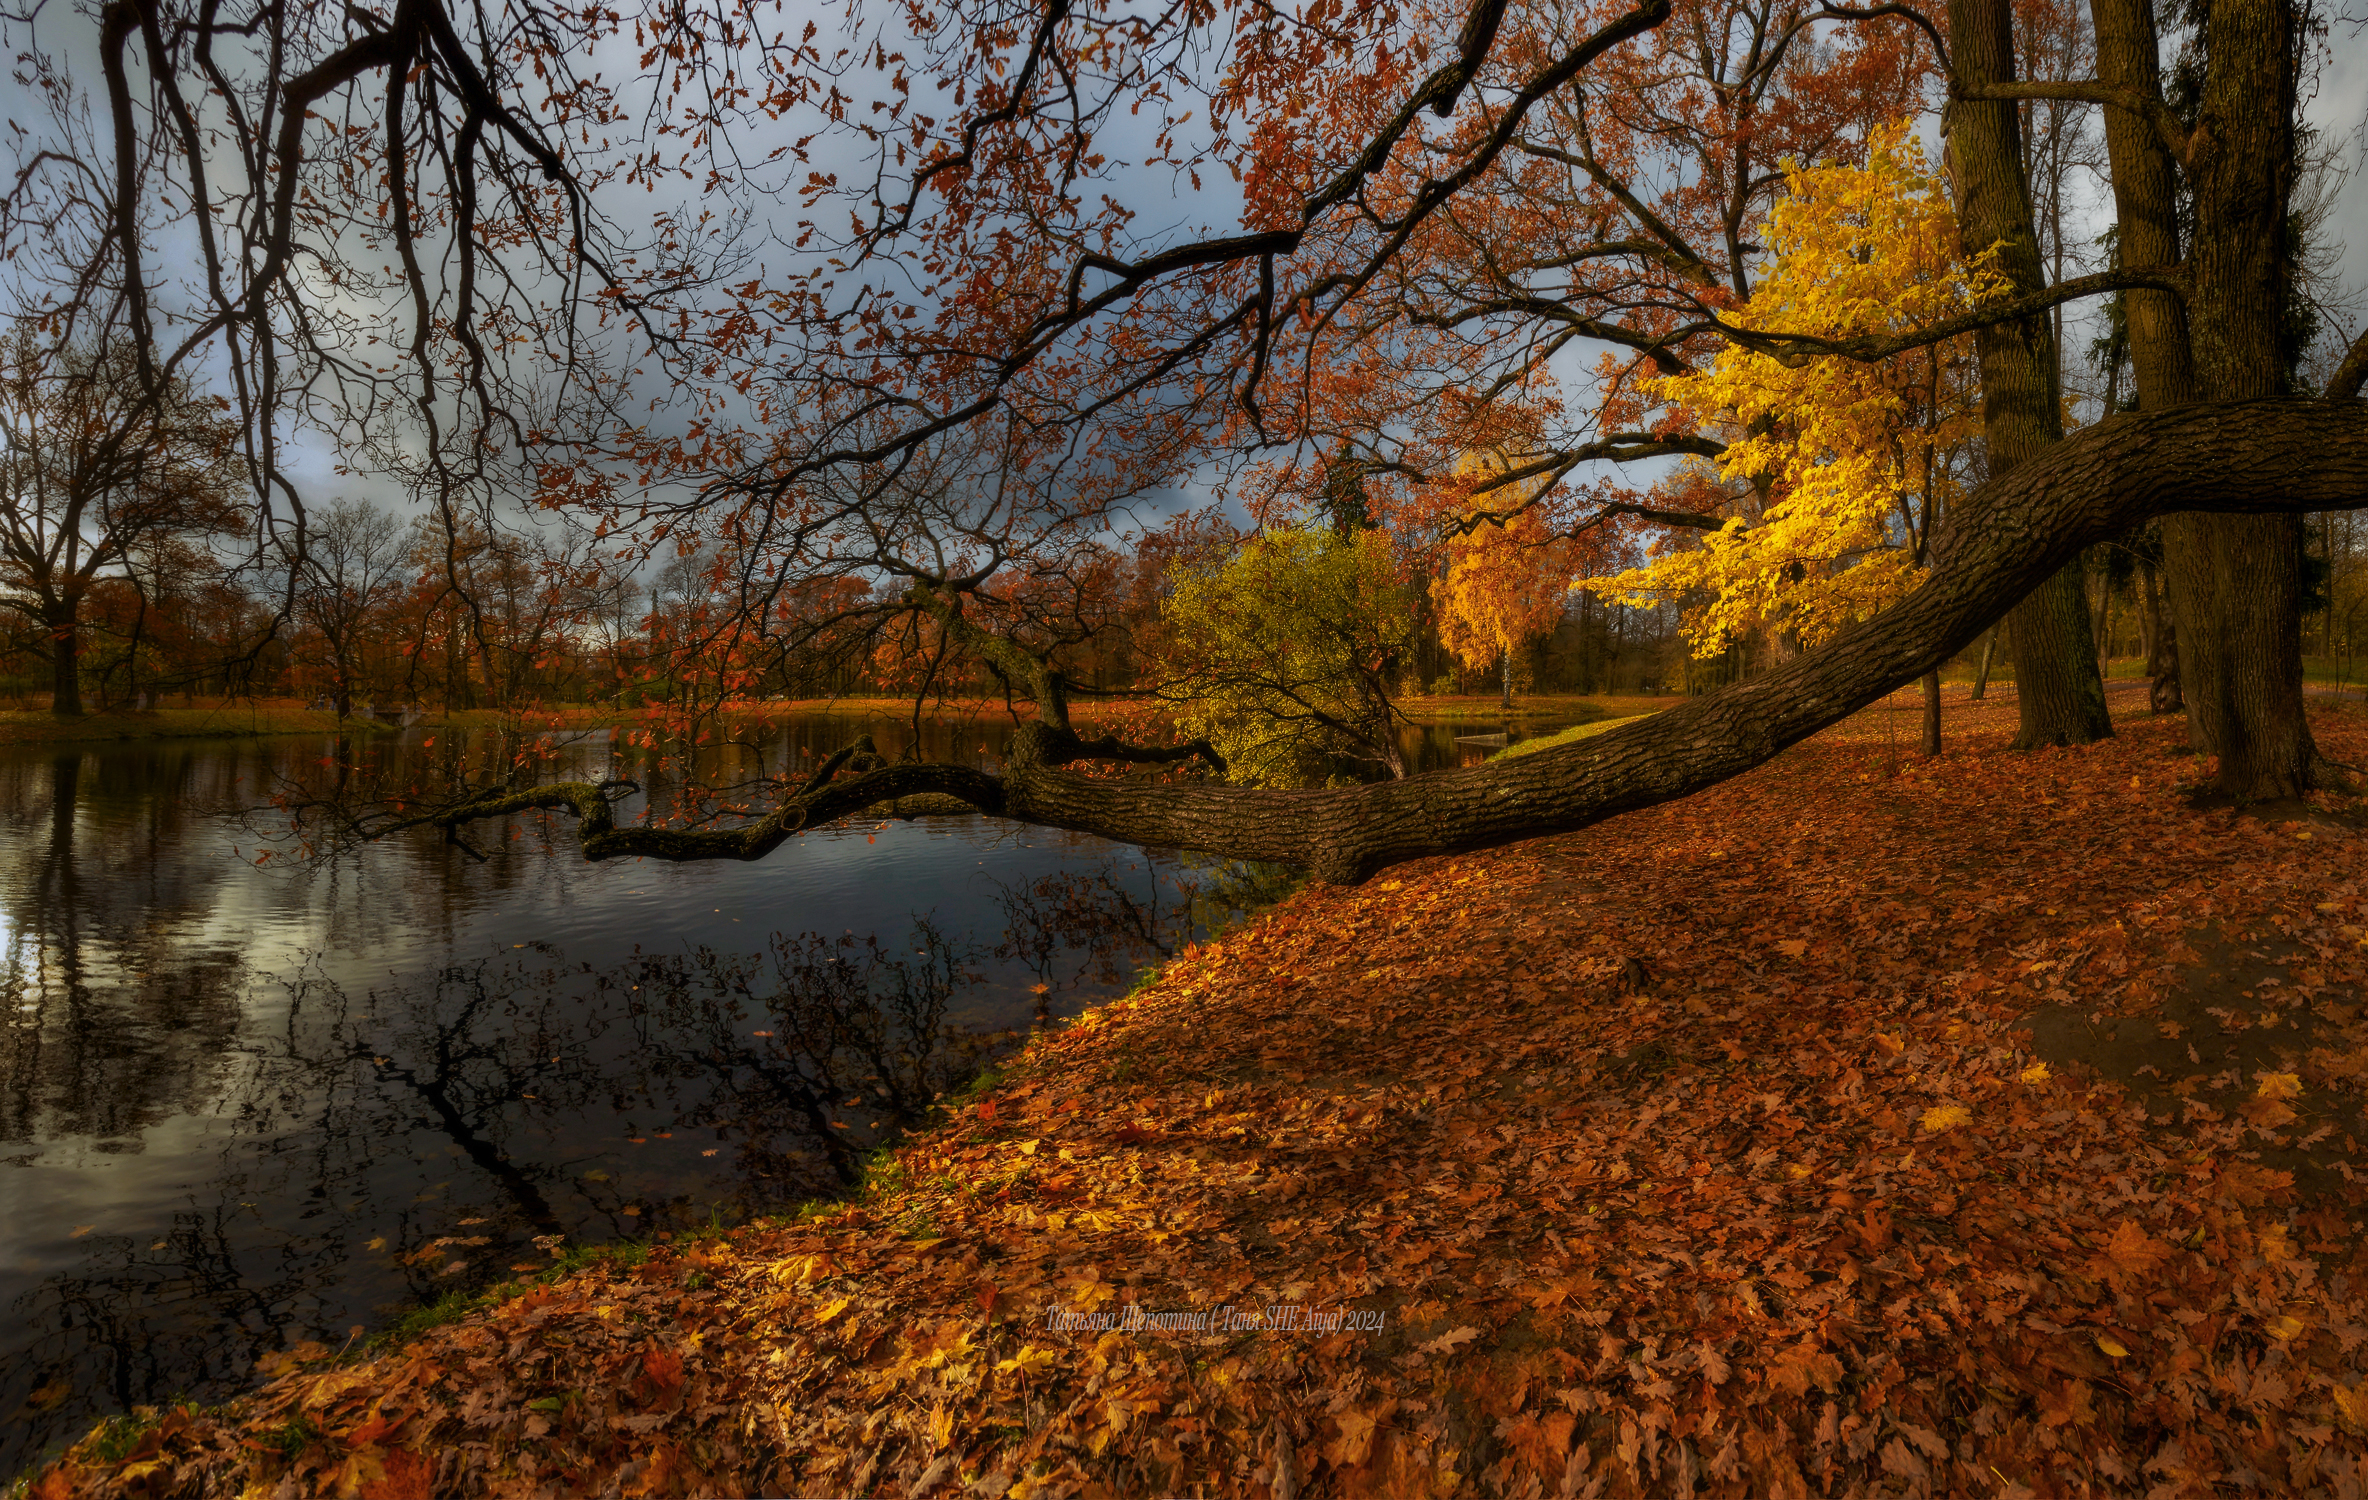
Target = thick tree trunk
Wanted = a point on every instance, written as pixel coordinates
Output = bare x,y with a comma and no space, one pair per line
2059,697
2018,532
59,622
2163,695
2237,580
2234,582
2243,680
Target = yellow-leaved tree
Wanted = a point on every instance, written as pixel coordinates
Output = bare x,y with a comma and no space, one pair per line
1836,471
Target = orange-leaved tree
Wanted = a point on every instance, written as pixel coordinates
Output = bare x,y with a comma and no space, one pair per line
1507,576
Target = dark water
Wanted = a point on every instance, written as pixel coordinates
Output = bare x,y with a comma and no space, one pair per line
246,1106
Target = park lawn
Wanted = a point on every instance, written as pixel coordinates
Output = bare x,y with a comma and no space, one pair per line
1788,1139
1575,733
1588,708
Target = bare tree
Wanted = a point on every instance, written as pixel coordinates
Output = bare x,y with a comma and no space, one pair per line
92,471
351,571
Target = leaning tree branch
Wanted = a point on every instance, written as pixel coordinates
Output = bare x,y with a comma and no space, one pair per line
2261,457
1796,349
599,837
2252,457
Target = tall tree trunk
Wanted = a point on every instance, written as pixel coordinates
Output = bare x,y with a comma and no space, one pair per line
2105,624
2233,652
65,658
2060,699
2237,580
1981,679
2145,196
1505,677
1931,744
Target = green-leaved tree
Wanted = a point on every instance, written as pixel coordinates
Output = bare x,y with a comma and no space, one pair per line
1280,656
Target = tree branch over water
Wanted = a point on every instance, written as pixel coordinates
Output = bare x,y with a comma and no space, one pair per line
2260,457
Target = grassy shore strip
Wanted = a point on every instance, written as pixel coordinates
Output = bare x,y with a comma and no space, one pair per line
1568,736
1705,1151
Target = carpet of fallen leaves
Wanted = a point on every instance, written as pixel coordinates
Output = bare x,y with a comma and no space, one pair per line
1703,1152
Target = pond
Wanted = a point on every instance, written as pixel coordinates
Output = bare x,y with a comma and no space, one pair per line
250,1105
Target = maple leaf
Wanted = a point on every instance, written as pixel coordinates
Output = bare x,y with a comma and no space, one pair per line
2267,1109
1356,1430
2129,1254
1796,1368
1944,1117
1029,1361
2034,1075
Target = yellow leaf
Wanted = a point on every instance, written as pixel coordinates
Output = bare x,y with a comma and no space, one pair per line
832,1310
1028,1148
2283,1327
1944,1117
2035,1075
1792,947
2278,1085
1029,1361
2351,1407
2111,1345
1355,1440
1890,1042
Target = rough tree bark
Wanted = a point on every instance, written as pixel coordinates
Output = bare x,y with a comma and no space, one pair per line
2234,583
2059,697
2017,532
2237,580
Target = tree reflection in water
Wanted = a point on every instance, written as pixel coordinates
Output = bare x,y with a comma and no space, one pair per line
1082,931
419,1141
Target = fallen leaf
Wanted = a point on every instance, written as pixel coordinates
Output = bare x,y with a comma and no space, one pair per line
1452,1339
